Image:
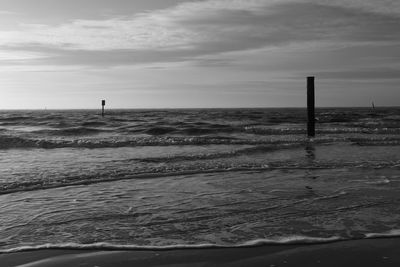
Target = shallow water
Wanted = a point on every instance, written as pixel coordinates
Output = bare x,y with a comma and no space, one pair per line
156,178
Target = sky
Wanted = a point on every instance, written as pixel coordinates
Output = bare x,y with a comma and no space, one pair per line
200,53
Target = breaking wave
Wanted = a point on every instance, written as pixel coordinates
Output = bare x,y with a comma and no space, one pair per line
73,131
285,240
290,240
10,142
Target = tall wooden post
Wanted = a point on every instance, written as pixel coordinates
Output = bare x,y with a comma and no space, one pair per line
103,103
311,107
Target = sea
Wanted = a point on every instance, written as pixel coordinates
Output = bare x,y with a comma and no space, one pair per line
193,178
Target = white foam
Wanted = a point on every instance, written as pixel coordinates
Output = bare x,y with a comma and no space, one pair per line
295,239
391,233
108,246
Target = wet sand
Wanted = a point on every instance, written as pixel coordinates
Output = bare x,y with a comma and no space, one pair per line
367,252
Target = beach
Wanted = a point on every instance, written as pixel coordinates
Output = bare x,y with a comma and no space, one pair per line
233,187
367,252
199,133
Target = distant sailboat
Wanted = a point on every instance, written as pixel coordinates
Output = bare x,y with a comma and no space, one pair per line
373,110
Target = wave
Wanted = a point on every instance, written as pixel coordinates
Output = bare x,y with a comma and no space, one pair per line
206,130
147,172
160,130
208,156
74,131
290,240
385,141
209,129
7,142
182,166
285,240
15,118
262,130
272,131
93,179
188,129
94,124
11,142
391,233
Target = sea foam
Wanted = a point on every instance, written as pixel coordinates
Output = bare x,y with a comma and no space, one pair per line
288,240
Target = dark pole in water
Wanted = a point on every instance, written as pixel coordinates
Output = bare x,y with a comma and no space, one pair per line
103,103
311,107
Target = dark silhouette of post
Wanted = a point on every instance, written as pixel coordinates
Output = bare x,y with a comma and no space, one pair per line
310,107
103,103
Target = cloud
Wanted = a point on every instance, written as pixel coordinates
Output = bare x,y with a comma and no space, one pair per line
5,12
391,7
361,74
194,29
18,56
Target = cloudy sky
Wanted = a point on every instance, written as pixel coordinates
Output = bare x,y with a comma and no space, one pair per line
210,53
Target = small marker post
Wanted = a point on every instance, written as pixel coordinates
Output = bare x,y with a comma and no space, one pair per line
103,103
310,106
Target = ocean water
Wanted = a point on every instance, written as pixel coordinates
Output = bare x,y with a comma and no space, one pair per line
196,177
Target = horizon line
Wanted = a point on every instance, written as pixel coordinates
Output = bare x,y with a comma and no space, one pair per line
166,108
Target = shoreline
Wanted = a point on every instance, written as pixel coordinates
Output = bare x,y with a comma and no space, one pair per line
362,252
